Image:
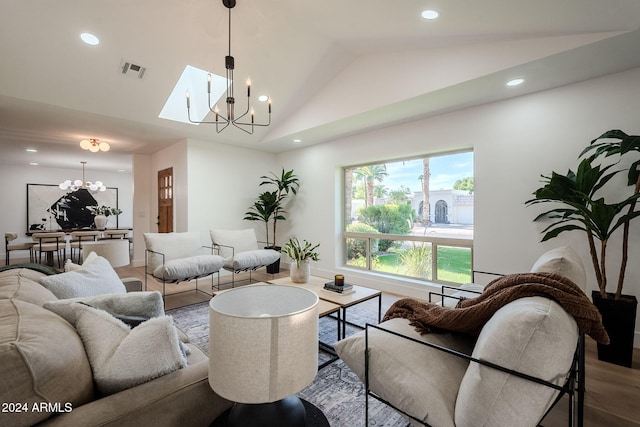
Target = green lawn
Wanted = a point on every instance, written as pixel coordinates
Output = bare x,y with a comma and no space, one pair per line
454,264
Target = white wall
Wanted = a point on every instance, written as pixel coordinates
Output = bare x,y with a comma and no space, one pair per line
514,142
223,183
13,209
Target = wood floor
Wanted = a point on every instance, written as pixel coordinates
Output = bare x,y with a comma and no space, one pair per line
613,392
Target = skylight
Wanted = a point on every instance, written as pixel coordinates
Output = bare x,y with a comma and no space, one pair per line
194,81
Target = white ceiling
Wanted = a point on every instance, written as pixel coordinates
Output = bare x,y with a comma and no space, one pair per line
331,67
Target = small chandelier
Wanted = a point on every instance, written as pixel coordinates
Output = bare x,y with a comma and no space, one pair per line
78,184
94,145
222,120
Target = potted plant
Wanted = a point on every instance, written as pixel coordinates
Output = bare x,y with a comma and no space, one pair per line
270,206
101,214
582,207
263,209
302,254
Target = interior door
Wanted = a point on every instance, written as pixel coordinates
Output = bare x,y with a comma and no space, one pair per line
165,201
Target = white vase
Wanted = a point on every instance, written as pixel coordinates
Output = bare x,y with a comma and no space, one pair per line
300,274
100,221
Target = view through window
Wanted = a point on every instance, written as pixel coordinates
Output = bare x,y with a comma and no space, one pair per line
411,218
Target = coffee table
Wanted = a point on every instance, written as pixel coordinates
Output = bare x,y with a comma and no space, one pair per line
360,294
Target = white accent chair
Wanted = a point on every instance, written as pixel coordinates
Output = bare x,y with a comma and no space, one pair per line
527,356
241,252
179,257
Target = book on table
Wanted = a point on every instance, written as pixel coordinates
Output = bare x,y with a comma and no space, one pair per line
339,292
331,286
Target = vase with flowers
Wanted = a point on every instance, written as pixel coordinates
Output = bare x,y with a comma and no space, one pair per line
101,215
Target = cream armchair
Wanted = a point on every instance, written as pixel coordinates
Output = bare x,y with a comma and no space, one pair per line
179,257
241,252
527,356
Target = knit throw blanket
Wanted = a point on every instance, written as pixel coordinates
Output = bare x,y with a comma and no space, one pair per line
470,315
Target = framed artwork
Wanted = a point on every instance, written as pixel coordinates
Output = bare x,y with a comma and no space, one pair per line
50,208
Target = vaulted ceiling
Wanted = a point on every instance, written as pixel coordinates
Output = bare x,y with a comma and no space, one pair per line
331,67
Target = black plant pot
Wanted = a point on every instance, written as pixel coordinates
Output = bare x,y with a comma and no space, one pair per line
619,319
275,267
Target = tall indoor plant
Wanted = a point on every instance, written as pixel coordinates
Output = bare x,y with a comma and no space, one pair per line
285,185
583,208
270,206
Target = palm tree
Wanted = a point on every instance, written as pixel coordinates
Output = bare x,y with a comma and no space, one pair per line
424,178
369,175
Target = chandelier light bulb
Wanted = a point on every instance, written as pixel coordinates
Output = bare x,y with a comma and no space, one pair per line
78,184
94,145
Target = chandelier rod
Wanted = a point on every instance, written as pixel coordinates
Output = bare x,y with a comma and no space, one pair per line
230,99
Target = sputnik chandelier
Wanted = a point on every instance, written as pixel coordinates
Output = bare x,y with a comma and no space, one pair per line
94,145
223,120
78,184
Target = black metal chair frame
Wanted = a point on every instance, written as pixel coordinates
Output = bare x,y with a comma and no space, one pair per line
59,246
184,279
80,238
574,383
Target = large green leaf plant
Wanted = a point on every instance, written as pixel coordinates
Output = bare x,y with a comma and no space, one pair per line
583,208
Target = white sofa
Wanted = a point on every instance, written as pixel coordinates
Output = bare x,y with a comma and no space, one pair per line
534,336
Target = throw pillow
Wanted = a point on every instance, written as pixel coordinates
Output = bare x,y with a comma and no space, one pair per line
71,266
96,277
120,357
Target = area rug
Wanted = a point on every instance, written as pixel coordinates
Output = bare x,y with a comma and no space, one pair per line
337,391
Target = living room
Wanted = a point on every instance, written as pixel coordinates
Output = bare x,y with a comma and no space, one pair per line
515,136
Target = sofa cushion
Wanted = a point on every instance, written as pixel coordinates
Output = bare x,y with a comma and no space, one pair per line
415,378
96,277
241,241
172,245
195,266
22,284
42,360
252,259
72,266
532,335
121,357
564,261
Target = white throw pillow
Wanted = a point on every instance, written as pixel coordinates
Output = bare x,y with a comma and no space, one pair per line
95,277
240,240
564,261
120,357
71,266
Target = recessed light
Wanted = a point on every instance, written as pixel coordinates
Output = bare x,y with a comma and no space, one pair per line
430,14
297,141
90,39
31,150
263,98
515,82
33,164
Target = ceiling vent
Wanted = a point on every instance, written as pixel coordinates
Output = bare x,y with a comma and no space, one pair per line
127,68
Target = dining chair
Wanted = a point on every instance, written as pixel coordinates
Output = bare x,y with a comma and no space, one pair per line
50,243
